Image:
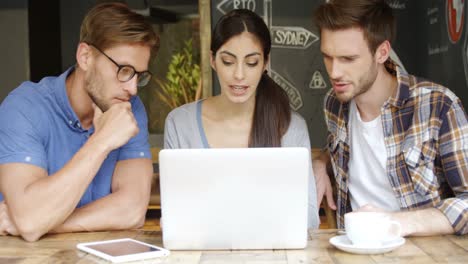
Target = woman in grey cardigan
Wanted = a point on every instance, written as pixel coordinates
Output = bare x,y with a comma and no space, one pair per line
252,110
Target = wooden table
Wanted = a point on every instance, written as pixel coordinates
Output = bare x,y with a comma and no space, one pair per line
61,248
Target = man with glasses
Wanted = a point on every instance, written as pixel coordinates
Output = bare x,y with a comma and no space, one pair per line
74,152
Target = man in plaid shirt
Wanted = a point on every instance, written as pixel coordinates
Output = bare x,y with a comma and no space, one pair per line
397,143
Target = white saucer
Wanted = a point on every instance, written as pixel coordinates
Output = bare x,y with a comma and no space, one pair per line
343,243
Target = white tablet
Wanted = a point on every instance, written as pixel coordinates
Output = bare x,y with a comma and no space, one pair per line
122,250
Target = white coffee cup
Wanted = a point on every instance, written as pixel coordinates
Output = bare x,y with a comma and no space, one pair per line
370,229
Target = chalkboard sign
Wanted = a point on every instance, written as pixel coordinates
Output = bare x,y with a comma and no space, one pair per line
432,41
296,62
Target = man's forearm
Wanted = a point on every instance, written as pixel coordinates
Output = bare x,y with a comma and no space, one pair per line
322,179
425,222
112,212
124,208
319,163
57,194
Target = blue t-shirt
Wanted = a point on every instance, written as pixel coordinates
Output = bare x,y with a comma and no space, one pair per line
38,126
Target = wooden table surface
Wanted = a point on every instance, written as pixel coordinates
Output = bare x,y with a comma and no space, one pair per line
61,248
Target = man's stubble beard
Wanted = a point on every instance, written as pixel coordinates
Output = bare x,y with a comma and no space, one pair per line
365,82
94,85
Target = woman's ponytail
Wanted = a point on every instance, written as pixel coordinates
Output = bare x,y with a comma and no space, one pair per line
272,114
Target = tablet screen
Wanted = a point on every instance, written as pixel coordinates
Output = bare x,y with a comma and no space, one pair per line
120,248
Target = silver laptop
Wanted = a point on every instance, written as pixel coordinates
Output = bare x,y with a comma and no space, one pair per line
245,198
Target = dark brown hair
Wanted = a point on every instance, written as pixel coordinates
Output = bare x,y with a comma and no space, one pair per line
374,17
110,24
272,113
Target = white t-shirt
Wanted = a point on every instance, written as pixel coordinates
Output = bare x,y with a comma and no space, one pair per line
368,180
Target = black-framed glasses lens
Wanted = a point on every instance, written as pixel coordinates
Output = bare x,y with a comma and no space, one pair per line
125,73
143,78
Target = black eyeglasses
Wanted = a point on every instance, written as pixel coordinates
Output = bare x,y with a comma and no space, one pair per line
126,72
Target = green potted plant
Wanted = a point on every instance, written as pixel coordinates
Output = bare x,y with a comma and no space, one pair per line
182,84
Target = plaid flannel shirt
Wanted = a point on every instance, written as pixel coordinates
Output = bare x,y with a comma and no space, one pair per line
426,138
